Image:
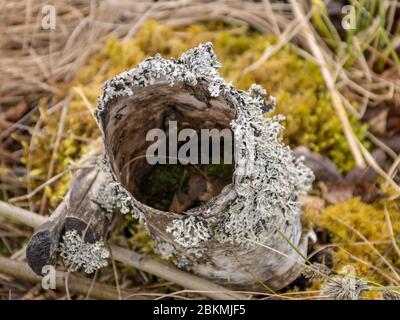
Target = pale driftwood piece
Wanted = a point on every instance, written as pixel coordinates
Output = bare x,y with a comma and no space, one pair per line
133,259
21,216
245,235
78,211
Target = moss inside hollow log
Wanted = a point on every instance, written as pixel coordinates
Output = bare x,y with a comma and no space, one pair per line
165,180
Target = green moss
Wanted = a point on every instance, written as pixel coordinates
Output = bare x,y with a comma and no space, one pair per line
346,221
133,235
79,129
165,180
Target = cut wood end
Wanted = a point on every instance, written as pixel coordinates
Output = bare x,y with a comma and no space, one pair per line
40,250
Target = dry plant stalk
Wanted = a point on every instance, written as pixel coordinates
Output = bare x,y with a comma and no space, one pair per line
336,99
75,284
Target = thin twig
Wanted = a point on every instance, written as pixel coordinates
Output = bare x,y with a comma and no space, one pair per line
170,273
56,145
390,229
48,182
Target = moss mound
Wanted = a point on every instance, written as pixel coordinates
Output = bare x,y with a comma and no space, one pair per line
361,237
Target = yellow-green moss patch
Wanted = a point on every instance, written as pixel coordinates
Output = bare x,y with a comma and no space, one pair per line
361,237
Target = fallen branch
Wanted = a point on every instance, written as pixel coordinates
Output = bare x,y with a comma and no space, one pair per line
21,216
76,284
170,273
130,258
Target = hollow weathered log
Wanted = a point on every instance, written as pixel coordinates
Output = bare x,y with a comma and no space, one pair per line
245,235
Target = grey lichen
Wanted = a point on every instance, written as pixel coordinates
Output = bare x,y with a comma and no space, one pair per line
77,254
268,179
189,231
165,249
196,64
112,196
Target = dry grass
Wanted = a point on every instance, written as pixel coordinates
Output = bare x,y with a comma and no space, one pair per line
33,63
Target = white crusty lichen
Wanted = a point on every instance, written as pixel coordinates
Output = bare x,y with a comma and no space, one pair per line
80,255
196,64
189,231
112,196
268,179
164,249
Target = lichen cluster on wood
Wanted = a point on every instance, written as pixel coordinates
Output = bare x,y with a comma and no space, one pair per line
78,254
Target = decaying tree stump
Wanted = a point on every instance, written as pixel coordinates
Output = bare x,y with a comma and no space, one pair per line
242,237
